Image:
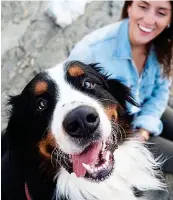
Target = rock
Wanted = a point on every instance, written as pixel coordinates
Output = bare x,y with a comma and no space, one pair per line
32,61
16,20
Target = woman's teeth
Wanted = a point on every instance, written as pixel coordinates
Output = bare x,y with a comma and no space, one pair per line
148,30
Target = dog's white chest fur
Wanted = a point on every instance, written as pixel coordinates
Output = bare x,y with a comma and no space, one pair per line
134,167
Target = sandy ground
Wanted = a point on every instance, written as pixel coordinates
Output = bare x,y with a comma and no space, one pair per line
31,42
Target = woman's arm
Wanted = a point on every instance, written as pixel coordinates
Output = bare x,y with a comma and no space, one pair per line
82,52
149,116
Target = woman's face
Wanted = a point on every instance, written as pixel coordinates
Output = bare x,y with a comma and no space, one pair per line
147,20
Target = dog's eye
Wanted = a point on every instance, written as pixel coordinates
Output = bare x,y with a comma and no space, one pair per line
87,84
41,104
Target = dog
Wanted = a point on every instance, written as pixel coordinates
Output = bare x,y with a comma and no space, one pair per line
69,137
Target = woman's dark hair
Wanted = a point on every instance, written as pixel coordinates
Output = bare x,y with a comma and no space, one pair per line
163,43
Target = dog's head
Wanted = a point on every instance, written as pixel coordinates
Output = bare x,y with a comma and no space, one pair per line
73,116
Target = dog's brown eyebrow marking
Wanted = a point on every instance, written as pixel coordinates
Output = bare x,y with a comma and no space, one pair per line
40,87
111,112
75,71
47,145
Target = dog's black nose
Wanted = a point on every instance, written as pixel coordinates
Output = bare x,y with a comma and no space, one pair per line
81,122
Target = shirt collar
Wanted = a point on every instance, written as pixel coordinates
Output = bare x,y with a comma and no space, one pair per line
152,57
123,47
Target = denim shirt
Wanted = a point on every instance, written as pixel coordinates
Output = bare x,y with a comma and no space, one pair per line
110,46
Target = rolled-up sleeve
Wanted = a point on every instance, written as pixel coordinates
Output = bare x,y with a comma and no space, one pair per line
152,110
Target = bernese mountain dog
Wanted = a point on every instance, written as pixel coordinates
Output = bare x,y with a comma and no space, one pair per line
69,138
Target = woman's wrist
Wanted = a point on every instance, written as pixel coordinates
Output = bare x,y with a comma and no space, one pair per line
144,133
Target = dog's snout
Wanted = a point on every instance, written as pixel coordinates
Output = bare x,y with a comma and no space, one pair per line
81,122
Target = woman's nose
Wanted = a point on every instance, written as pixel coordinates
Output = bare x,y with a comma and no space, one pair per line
149,18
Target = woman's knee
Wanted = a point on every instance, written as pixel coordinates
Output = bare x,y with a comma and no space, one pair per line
167,119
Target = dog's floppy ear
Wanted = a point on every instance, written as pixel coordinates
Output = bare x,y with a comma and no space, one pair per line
15,103
117,89
121,93
15,116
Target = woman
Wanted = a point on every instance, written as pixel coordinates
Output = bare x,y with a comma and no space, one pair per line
138,51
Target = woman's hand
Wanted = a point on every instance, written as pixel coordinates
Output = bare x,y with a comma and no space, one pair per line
141,134
145,134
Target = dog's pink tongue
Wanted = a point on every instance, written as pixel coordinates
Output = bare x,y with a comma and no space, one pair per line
88,157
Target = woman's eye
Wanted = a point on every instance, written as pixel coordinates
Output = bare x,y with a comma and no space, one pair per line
87,84
162,14
41,104
143,7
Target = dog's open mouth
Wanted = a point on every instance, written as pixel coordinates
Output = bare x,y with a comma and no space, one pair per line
96,162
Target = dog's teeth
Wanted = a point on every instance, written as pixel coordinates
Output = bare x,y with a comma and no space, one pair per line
103,145
107,156
87,167
105,166
106,163
96,170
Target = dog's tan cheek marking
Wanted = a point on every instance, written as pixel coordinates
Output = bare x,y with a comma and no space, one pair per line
47,145
40,87
75,71
111,112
